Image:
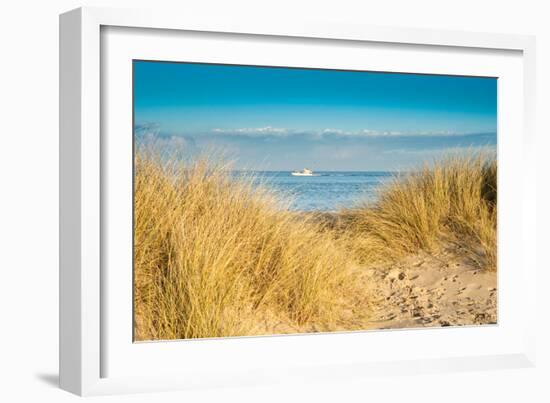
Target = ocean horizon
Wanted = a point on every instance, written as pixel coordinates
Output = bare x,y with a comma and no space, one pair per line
327,190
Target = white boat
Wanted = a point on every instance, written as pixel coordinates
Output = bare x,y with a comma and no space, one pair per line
304,172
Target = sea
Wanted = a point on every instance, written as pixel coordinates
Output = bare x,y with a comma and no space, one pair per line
328,190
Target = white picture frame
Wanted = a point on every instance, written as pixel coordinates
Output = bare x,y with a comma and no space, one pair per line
93,349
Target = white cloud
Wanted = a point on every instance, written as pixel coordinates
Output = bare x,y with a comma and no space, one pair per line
334,131
253,131
270,131
444,150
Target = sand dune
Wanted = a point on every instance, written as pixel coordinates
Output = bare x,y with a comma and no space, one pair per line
424,290
218,258
432,290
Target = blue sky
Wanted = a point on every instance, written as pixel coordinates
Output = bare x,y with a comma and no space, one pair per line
283,119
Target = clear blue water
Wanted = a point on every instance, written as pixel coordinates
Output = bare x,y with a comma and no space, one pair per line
327,192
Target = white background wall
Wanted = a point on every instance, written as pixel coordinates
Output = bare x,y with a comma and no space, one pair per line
29,186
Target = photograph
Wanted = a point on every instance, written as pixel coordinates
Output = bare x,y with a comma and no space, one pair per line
273,200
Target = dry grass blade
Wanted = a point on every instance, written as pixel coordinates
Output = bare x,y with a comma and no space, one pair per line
215,256
453,200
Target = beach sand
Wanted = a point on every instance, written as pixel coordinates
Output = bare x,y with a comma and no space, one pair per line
432,290
423,290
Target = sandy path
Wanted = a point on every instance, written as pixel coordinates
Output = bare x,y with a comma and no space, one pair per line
427,290
423,290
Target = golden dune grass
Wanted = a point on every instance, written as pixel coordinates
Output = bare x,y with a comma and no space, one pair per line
451,201
215,257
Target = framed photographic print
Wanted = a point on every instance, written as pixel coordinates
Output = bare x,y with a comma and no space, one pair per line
241,202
